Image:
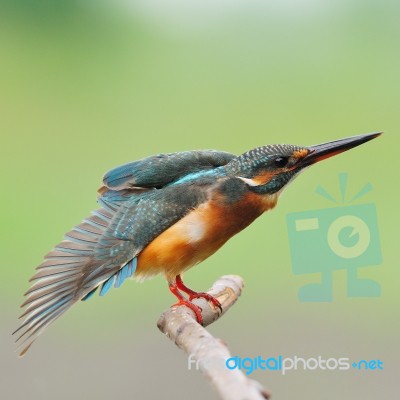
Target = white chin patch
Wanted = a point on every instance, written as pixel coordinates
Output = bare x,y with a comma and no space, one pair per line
249,181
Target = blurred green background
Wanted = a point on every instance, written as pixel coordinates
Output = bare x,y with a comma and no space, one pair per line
87,85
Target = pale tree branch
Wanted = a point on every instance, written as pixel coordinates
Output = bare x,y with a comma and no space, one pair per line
205,352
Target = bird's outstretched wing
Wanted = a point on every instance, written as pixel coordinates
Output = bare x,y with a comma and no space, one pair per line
102,250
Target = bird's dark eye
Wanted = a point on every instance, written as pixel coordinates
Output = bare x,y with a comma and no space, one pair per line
280,162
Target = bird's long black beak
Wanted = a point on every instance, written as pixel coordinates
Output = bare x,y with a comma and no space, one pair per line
323,151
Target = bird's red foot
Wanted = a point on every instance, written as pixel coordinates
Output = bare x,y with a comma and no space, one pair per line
196,295
196,309
206,296
182,301
177,285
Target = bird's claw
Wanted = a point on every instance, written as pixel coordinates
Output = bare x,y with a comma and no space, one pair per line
196,309
207,297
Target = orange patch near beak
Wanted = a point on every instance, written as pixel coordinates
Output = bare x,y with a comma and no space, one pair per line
300,153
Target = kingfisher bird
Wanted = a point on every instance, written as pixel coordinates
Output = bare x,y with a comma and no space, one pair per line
164,214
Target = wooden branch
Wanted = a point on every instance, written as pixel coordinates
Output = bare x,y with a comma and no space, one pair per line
206,353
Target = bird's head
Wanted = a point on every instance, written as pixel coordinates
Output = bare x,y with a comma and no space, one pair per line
268,169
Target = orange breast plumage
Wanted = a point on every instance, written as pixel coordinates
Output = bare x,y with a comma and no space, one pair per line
198,235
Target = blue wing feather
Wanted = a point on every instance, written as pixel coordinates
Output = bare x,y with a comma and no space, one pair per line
120,277
162,169
90,294
107,285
